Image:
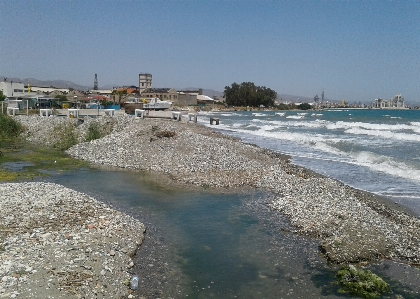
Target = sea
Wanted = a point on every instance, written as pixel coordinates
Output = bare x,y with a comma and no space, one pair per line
371,150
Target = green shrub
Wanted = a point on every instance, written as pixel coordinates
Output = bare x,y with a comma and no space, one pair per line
9,127
97,130
362,283
66,137
93,132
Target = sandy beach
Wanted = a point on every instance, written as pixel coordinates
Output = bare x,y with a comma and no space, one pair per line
352,226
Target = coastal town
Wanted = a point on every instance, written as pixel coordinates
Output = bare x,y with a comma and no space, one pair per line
209,149
35,97
94,249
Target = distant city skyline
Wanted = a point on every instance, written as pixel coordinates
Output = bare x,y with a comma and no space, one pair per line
353,50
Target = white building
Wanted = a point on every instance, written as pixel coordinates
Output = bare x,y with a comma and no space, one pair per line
13,89
145,82
396,103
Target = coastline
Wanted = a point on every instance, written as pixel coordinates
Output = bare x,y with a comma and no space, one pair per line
350,228
351,225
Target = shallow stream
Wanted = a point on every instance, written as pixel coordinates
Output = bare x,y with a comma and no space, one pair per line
205,244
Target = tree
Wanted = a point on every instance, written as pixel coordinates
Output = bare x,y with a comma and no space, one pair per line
2,97
113,93
304,106
120,94
247,94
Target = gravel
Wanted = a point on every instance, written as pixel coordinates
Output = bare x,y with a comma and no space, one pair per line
352,226
58,243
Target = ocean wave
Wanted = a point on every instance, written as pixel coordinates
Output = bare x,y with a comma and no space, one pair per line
296,116
386,165
384,134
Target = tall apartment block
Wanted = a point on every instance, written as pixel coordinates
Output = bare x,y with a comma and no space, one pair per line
145,82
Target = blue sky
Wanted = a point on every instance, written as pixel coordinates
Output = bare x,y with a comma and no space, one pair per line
354,50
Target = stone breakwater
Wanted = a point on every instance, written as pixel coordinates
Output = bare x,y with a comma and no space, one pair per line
59,243
352,226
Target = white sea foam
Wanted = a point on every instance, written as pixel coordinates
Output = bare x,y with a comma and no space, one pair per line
327,141
295,116
319,143
220,113
386,165
384,134
358,128
317,123
372,126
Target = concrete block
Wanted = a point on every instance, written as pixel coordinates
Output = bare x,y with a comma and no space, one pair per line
109,112
212,119
192,117
12,111
176,115
45,112
139,113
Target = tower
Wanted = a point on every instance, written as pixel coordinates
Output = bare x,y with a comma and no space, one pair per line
95,83
145,82
322,96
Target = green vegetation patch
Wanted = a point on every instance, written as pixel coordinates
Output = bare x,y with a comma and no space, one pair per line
93,132
39,161
9,127
97,131
66,137
8,176
361,283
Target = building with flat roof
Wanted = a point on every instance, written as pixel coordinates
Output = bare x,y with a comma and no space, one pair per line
145,82
165,94
13,89
396,103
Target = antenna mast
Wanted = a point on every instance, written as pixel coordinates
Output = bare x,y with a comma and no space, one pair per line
95,83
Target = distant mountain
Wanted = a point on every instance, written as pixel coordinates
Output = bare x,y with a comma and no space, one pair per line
54,83
211,93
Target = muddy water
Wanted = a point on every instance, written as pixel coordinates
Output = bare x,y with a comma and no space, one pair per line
204,244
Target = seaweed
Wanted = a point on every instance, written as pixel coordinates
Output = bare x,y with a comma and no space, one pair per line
362,283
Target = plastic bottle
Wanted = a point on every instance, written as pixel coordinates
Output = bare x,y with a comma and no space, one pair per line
134,282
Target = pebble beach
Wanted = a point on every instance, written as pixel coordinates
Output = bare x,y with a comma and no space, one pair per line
89,246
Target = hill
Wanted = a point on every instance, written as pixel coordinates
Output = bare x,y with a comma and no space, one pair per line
53,83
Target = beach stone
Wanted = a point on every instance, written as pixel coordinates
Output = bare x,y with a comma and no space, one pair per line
350,225
67,264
